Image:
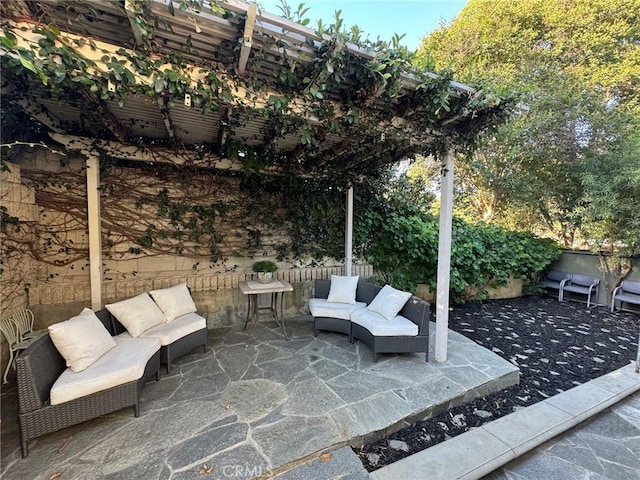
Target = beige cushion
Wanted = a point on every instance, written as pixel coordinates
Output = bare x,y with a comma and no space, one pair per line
81,340
321,307
137,314
343,289
167,333
174,301
381,327
389,301
122,364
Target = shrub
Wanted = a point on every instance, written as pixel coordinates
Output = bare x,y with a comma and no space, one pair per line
405,250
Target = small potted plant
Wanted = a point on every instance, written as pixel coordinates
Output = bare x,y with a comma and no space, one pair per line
265,269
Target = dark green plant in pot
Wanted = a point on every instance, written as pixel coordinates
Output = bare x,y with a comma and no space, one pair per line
265,266
265,269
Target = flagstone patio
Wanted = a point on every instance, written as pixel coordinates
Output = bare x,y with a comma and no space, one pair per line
258,406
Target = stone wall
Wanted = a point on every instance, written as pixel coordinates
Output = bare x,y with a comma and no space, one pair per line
587,263
217,297
17,201
18,268
46,192
512,289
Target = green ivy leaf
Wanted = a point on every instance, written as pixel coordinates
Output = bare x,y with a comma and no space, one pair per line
158,85
7,42
28,64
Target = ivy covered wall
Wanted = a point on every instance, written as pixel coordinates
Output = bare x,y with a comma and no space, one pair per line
162,224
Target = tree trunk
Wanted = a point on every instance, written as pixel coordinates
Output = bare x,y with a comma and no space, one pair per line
614,269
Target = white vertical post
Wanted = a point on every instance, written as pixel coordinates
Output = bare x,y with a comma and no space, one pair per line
444,259
348,238
95,233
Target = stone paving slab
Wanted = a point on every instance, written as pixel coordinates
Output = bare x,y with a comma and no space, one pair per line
476,453
260,405
527,428
340,464
605,447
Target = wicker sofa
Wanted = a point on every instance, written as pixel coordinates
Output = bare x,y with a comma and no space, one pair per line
352,319
167,314
103,378
41,365
173,345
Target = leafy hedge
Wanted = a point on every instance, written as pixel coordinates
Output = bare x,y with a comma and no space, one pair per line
405,252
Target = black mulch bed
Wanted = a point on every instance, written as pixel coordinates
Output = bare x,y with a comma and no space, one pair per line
556,346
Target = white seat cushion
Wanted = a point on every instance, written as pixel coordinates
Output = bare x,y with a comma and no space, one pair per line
122,364
381,327
169,332
321,307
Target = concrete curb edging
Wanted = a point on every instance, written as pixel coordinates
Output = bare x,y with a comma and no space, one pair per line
479,451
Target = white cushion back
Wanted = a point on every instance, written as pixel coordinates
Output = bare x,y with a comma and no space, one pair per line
389,301
343,289
81,340
137,314
174,301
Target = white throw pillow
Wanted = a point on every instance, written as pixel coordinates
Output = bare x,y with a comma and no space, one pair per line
137,314
81,340
389,301
343,289
174,301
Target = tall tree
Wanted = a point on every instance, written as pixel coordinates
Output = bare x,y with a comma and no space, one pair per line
611,208
576,64
508,42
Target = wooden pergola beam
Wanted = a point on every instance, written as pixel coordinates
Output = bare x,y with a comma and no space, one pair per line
247,38
126,151
130,11
164,111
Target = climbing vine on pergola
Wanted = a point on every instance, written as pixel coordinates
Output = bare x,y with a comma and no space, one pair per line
229,85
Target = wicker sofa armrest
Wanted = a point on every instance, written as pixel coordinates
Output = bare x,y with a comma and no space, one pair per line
321,288
38,367
110,322
417,310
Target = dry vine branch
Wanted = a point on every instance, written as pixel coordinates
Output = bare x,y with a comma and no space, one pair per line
149,210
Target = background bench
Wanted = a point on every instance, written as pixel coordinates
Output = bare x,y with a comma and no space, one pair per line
555,280
583,284
628,291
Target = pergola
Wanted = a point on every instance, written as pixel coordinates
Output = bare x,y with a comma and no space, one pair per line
190,83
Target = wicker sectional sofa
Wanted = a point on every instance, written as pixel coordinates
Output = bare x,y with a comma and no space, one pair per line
177,338
168,314
91,365
41,365
406,332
